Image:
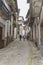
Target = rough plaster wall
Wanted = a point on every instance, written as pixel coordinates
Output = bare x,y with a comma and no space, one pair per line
33,32
37,35
3,24
7,28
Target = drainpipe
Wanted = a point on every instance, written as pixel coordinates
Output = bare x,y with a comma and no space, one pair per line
11,25
16,24
7,31
39,33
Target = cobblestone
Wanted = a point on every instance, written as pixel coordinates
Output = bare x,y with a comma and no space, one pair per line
37,58
16,53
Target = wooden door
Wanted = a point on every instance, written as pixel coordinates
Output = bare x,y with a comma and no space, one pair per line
0,33
1,40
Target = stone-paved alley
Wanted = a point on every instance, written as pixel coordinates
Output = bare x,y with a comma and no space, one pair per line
20,53
16,53
21,19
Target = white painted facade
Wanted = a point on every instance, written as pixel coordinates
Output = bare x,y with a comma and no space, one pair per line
7,28
5,24
11,25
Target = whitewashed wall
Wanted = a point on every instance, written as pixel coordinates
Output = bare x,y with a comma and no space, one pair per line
7,28
11,26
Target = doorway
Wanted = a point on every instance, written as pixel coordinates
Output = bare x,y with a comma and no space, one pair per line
1,41
0,33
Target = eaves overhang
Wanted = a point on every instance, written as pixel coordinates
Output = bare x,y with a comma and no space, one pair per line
4,8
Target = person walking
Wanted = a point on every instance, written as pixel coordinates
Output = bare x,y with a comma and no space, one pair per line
20,32
23,34
20,35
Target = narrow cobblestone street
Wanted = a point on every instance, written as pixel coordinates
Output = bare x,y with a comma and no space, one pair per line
16,53
21,32
37,58
20,53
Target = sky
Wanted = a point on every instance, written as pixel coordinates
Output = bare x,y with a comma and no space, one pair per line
23,6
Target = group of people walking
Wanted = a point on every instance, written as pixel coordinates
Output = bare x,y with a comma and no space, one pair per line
24,33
